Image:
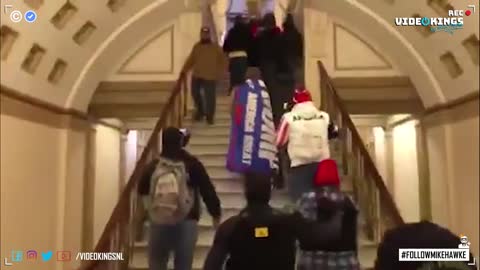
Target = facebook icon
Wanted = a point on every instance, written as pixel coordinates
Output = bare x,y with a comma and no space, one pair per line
17,256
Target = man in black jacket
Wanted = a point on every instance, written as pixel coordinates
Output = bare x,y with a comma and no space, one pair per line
179,238
236,45
293,48
273,63
262,238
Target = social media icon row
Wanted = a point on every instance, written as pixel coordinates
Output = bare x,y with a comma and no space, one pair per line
32,255
17,16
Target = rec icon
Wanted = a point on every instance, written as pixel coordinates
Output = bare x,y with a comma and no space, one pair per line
64,256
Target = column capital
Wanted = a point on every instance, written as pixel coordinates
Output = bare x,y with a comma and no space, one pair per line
388,133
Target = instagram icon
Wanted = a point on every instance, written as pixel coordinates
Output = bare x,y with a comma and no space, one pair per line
31,255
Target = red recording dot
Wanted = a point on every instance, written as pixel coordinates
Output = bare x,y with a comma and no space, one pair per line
468,12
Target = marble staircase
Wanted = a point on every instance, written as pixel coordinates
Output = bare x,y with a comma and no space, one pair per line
210,144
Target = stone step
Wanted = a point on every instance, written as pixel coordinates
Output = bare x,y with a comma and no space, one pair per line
200,140
223,108
220,173
221,148
212,160
190,124
215,159
218,115
206,219
227,184
224,100
212,131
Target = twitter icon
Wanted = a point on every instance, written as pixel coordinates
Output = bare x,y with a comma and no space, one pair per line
46,256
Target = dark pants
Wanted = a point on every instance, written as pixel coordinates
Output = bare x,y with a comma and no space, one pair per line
300,180
279,86
238,69
204,104
180,239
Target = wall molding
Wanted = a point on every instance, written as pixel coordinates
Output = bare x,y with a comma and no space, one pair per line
335,52
469,102
35,110
169,30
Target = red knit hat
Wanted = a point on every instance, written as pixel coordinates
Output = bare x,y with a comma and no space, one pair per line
301,95
327,174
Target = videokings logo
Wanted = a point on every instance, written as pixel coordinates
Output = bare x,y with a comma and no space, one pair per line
453,22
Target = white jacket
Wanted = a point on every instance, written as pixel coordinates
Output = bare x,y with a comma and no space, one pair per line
305,128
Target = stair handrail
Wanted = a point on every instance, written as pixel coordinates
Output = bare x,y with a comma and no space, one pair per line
375,201
210,22
117,234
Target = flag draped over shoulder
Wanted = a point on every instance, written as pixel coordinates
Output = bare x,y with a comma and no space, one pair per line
252,137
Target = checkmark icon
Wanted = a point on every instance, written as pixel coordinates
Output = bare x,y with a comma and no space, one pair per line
30,16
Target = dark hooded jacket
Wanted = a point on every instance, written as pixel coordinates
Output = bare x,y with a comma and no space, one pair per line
292,40
269,40
260,237
173,141
238,38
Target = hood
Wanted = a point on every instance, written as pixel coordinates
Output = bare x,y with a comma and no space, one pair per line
327,174
269,21
172,142
258,188
306,109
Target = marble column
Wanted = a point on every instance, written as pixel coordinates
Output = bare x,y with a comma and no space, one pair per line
123,161
423,173
389,181
89,190
315,30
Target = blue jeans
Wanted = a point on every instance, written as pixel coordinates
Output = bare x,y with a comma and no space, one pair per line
205,105
180,239
300,180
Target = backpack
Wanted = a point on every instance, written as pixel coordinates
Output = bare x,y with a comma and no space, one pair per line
171,199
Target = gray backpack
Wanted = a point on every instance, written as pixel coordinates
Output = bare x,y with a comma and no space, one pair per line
171,199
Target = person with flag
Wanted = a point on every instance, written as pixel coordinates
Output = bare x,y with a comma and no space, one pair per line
252,141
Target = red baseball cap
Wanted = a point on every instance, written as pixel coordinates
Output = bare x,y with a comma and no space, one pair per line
301,95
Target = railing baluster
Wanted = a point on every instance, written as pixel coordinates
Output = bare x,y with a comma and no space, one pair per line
376,204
